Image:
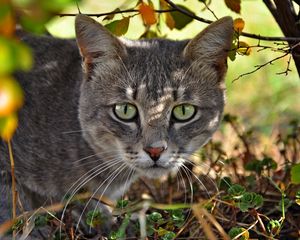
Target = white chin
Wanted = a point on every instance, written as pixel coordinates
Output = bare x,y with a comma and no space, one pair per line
157,172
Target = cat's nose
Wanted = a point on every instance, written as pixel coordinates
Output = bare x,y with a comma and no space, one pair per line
154,152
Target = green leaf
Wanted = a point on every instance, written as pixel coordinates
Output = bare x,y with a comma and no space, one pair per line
181,20
122,203
274,227
233,232
33,24
250,200
94,218
236,191
169,236
119,27
295,174
225,183
56,5
155,216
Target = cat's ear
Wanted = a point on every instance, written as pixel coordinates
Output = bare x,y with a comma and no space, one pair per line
212,45
95,42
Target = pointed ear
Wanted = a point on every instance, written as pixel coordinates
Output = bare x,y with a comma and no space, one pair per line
96,44
212,44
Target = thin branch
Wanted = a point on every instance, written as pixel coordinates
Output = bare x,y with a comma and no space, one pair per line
261,66
250,35
191,15
112,12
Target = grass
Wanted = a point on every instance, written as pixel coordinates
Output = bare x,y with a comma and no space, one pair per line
239,188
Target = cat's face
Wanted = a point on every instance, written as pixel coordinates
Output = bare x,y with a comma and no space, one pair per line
151,103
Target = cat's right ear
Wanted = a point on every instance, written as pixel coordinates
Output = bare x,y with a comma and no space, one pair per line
96,43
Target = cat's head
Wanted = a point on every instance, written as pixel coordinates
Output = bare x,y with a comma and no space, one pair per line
151,103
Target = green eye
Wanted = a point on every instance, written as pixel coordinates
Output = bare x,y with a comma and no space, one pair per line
125,111
184,112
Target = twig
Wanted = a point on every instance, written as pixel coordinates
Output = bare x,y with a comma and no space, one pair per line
13,184
112,12
287,70
257,67
200,19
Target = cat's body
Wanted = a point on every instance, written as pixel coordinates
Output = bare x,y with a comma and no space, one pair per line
72,129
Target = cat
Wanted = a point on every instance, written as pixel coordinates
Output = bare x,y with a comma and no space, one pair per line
101,111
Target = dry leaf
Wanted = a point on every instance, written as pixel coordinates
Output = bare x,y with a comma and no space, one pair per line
243,48
234,5
170,21
148,14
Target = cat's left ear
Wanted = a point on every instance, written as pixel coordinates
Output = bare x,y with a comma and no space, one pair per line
96,43
212,45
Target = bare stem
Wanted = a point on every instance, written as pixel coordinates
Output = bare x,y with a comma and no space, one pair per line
13,187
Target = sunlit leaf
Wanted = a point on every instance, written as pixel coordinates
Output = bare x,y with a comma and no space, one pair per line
295,174
55,5
234,5
238,24
11,96
24,57
148,14
232,52
14,55
181,20
235,231
243,48
7,59
119,27
8,126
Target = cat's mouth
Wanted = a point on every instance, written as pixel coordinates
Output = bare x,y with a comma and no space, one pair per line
156,171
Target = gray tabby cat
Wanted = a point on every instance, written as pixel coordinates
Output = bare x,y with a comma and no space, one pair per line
100,117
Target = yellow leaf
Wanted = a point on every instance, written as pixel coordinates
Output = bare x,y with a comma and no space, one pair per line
238,25
234,5
11,96
8,126
148,14
170,21
243,48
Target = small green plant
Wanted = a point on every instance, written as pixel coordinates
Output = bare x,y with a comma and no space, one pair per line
244,200
94,218
236,231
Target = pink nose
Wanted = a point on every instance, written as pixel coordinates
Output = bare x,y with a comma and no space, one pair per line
154,152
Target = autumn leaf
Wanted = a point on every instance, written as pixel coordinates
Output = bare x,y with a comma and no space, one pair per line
11,96
170,21
243,48
148,14
234,5
238,25
119,27
8,126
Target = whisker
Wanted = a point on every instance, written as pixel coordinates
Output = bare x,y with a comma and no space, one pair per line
87,177
118,171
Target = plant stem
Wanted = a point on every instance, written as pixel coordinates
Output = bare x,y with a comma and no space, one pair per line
13,183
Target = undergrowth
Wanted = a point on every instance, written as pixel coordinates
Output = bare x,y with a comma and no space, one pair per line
241,186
